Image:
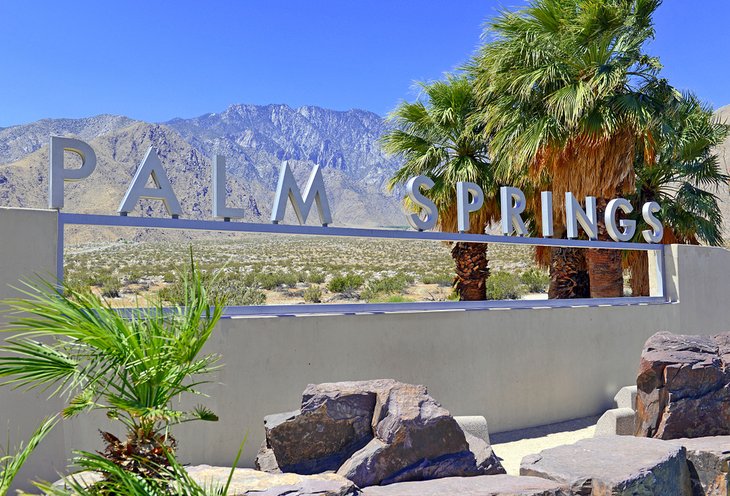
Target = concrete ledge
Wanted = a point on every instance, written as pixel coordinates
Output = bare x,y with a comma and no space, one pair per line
616,422
476,425
626,397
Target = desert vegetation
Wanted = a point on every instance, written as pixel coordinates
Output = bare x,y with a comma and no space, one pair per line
255,270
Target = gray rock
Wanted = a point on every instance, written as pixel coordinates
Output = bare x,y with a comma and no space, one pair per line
487,462
708,459
334,422
615,466
266,461
493,485
415,439
247,482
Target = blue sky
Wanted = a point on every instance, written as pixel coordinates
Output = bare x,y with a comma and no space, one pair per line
155,60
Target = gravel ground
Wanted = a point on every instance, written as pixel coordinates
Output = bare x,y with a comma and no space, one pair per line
512,446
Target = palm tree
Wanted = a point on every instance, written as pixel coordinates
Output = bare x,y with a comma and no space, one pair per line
566,91
436,139
130,366
683,178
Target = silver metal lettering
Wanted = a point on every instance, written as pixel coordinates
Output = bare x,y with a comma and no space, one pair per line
413,190
150,168
575,215
513,203
219,192
314,192
628,225
657,229
58,175
469,198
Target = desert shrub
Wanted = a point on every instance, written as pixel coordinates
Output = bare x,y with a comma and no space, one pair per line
314,277
313,294
444,279
110,287
247,296
504,286
386,286
535,280
391,299
345,283
273,280
134,276
230,288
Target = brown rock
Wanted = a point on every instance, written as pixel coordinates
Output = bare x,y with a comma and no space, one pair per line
614,466
493,485
334,422
708,459
683,387
415,439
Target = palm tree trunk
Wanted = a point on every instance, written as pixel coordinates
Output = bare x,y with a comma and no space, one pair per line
472,270
604,266
639,266
568,274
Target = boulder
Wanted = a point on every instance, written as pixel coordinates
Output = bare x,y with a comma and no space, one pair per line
415,438
335,420
708,459
615,466
683,386
493,485
248,482
373,432
266,460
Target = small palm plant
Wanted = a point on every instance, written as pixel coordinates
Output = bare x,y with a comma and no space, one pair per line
131,365
10,465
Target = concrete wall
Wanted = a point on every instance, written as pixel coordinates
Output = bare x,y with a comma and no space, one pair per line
28,249
518,368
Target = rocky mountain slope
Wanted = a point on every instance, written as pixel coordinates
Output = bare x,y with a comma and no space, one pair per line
255,141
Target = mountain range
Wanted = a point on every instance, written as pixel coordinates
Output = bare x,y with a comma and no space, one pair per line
255,141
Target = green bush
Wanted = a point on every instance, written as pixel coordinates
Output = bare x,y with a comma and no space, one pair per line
313,294
232,289
273,280
444,279
391,299
346,283
504,286
535,280
314,277
110,287
392,285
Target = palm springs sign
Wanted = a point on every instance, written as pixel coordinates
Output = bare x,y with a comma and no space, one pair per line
470,198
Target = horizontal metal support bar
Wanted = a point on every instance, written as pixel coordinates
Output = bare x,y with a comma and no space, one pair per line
222,226
375,308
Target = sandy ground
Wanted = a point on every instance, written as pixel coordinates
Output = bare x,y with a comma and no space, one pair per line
512,446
